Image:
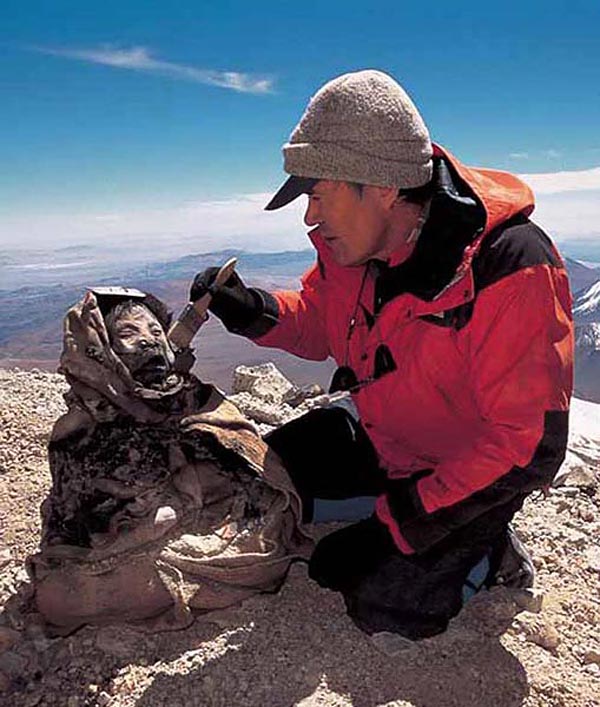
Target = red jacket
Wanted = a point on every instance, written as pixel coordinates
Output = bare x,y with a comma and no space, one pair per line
478,321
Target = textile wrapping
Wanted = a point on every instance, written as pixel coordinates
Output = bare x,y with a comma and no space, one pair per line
162,501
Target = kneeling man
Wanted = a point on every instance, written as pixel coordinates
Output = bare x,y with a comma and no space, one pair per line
448,313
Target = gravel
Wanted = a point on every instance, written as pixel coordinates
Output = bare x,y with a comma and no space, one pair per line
298,647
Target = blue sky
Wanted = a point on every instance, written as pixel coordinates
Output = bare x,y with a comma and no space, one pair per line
118,115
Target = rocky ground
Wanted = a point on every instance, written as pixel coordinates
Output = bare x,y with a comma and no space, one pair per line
298,647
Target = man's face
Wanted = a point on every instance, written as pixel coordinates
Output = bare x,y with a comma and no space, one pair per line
355,226
138,338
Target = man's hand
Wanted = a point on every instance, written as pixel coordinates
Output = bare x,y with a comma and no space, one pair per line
236,305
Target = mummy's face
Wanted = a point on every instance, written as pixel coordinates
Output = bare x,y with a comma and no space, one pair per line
139,339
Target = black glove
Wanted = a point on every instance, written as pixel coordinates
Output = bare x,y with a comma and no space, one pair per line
243,310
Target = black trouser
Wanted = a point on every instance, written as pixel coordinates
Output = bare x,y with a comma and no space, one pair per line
329,455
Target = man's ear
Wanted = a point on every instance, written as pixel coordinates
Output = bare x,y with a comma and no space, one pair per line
386,196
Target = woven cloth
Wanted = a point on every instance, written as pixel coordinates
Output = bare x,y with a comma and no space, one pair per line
162,502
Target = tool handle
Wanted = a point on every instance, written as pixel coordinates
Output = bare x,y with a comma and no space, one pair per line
194,314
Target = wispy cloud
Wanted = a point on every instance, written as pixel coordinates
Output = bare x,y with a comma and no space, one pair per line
568,208
173,230
551,154
141,59
558,182
544,154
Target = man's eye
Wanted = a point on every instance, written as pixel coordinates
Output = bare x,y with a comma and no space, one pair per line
156,332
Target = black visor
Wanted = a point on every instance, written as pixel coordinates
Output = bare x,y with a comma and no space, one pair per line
291,189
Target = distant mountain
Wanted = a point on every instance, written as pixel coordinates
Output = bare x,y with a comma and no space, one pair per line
580,275
587,361
285,266
31,317
586,312
76,249
586,307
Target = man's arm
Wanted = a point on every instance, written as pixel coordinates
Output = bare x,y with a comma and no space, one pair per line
300,328
520,345
292,321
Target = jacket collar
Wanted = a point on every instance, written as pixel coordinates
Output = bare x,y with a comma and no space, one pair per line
456,217
467,204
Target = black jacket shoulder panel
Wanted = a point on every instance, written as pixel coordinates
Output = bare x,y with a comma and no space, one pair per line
516,244
512,246
456,217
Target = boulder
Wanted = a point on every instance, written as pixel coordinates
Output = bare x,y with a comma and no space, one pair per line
261,410
264,381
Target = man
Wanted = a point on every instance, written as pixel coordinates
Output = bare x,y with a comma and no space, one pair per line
448,313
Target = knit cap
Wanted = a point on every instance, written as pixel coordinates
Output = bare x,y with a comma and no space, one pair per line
360,127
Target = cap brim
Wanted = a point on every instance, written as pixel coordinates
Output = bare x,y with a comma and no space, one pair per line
291,189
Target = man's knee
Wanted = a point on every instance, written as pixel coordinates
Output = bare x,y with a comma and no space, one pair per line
328,455
324,428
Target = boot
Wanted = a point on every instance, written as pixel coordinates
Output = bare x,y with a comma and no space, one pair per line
512,563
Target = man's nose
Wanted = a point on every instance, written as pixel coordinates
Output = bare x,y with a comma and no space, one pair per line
311,215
